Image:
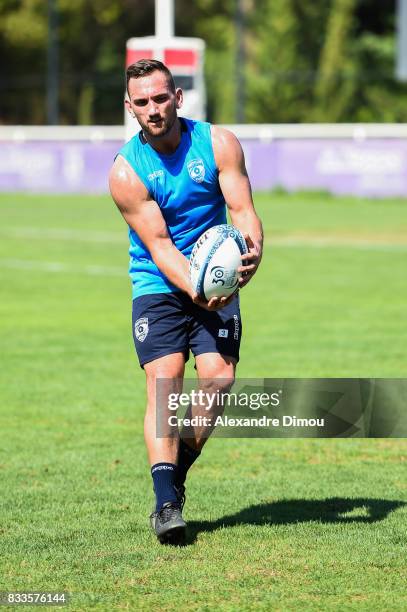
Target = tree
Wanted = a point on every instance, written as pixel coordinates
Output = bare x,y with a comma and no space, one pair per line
283,46
92,36
337,71
307,60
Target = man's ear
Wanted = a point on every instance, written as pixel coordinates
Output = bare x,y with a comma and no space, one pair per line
179,97
128,107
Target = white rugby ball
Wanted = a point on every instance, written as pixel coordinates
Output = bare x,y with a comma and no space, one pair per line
214,261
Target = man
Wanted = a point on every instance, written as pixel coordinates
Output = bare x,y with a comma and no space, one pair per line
171,182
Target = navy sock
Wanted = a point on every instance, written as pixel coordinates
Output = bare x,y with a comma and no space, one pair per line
186,457
163,478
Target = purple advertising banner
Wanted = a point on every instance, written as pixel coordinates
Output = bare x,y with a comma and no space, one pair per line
56,167
371,167
375,168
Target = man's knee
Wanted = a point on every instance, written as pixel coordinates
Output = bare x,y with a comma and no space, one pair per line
170,366
216,376
216,371
164,376
221,384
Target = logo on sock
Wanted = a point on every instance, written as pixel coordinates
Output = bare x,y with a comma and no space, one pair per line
162,467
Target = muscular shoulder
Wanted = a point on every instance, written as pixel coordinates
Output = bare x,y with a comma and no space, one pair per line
124,183
226,147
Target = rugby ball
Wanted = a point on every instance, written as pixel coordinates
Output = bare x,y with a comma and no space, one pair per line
214,261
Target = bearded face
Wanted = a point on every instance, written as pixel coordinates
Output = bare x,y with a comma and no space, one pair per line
153,103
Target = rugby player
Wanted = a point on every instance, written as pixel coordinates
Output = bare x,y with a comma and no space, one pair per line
171,182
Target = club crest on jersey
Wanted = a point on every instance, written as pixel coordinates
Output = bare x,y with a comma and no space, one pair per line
196,170
141,329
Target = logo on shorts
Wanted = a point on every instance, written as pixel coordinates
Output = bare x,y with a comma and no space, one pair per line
223,333
141,329
236,320
196,170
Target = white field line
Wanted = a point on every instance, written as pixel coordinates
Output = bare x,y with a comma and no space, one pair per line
95,270
37,233
374,243
316,242
58,267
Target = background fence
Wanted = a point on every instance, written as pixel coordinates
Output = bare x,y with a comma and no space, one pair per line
359,159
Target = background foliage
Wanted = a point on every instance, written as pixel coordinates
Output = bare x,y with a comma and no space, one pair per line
306,60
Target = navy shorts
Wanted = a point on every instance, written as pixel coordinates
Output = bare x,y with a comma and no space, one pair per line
165,323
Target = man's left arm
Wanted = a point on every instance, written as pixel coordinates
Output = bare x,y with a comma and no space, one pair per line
235,186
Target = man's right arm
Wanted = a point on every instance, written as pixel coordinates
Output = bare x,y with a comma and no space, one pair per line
144,216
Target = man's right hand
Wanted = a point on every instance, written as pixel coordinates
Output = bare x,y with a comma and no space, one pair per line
215,303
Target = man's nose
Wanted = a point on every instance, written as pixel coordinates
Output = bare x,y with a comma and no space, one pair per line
153,108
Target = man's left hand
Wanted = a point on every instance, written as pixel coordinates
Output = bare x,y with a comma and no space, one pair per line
250,262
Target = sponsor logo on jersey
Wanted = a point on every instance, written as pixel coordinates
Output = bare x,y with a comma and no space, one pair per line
141,329
196,170
223,333
155,174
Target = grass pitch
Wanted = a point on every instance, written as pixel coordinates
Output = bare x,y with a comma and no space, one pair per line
274,524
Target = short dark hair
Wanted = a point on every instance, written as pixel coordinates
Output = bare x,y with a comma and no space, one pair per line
146,66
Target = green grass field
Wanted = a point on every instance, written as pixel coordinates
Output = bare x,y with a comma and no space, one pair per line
274,524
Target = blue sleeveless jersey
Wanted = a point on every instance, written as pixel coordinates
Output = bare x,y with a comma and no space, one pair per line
186,188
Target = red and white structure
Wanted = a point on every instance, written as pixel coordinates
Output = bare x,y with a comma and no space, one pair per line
183,56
